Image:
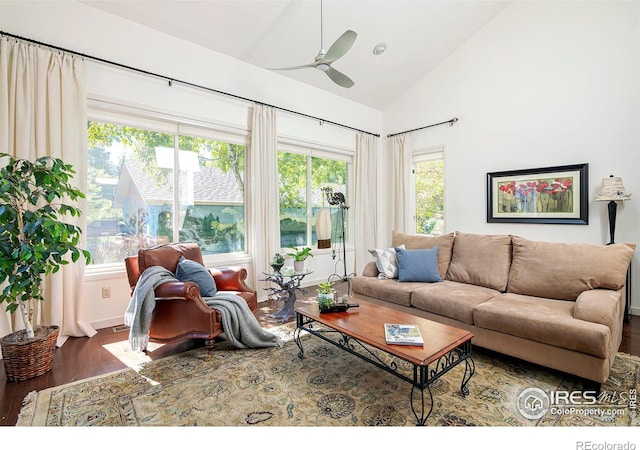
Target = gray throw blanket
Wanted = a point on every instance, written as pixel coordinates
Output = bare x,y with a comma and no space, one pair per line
240,326
138,314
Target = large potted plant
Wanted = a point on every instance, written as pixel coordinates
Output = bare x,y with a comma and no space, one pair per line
34,242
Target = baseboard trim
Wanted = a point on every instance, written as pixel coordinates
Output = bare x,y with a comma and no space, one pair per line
107,323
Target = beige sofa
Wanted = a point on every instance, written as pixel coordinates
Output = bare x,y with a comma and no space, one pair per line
559,305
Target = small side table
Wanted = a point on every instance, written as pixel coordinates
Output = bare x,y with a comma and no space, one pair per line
288,282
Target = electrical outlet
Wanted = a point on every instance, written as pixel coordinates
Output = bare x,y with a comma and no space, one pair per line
106,292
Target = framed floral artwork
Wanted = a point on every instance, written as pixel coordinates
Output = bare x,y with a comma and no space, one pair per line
545,195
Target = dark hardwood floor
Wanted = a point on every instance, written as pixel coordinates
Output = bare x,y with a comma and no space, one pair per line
85,357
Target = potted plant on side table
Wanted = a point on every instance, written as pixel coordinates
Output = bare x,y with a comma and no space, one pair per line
34,243
277,262
299,256
326,295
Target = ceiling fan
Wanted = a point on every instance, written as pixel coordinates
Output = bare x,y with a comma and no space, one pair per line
324,58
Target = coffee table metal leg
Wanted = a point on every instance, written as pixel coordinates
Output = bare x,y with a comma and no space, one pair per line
469,370
422,418
296,334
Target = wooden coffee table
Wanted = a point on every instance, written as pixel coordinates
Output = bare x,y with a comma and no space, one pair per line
359,329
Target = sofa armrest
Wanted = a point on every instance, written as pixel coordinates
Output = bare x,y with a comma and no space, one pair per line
370,270
599,306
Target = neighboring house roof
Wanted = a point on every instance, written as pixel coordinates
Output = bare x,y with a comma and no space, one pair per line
210,186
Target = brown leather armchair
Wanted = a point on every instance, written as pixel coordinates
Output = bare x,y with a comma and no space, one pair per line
180,313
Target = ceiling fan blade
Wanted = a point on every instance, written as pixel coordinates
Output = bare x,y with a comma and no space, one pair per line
295,67
339,78
340,47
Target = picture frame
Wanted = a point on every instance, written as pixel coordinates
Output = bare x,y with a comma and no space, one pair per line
547,195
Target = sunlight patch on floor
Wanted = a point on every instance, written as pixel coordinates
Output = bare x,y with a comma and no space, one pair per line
134,359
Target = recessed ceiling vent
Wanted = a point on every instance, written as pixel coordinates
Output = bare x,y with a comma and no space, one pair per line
380,49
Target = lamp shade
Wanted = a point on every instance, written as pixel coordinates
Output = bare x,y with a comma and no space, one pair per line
323,228
612,189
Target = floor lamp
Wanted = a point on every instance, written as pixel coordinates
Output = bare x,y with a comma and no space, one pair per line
337,198
612,190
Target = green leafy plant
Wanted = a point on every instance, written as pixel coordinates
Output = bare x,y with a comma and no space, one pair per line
33,239
326,295
300,254
325,302
277,259
325,287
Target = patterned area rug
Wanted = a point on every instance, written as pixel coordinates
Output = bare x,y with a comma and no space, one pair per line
327,387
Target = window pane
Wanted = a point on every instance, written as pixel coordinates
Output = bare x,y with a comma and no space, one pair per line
333,174
430,196
127,190
292,182
211,194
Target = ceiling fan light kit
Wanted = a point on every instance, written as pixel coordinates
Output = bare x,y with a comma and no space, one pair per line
324,58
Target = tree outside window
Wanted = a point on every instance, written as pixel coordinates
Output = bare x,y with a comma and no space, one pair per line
301,178
429,193
132,191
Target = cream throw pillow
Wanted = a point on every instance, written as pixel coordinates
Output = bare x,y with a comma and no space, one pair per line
386,262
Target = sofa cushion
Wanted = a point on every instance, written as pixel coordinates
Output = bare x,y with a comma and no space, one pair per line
386,261
563,271
451,299
390,290
543,320
418,265
481,259
418,241
188,270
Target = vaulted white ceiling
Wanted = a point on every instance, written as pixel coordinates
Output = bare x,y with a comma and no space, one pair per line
418,35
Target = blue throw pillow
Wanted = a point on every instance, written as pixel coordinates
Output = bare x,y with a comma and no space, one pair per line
418,265
193,271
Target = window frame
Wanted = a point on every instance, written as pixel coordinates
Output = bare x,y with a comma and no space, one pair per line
318,150
106,111
419,155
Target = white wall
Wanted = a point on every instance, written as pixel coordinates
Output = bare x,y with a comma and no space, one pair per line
83,29
543,84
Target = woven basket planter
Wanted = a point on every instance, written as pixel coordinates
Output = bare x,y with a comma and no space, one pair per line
27,358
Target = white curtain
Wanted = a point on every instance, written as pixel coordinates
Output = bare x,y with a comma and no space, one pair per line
263,213
401,182
365,199
43,113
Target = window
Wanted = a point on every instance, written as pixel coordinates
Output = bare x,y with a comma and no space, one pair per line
302,176
428,170
136,199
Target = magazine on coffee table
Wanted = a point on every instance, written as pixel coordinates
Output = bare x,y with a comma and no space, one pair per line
403,334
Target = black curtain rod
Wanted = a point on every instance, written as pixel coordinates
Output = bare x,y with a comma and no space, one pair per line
174,80
450,122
